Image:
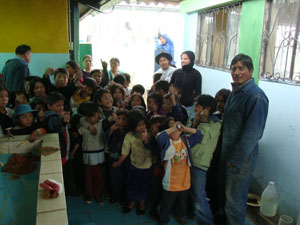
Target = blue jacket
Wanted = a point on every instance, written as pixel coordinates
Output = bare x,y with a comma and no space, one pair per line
14,73
163,141
245,117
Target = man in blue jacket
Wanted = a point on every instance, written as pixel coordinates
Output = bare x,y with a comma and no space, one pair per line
245,116
15,71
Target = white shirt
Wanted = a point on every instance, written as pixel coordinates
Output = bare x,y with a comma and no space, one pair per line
166,74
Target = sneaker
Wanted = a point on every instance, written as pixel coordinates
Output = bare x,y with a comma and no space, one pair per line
99,201
88,199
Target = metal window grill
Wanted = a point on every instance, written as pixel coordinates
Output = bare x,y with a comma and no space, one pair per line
280,53
217,36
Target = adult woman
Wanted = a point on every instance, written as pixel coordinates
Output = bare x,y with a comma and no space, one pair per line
114,68
187,79
87,64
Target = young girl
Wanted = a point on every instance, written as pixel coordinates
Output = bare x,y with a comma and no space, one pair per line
17,98
5,120
118,94
154,103
97,75
72,68
117,175
24,117
85,93
38,89
40,106
93,151
139,172
136,100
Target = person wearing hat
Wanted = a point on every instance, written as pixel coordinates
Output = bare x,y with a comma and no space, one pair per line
188,80
164,60
25,124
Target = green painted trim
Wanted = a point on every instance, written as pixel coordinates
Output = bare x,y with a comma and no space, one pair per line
76,33
189,6
251,29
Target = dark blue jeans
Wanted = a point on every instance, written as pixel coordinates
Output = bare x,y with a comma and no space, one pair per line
237,182
202,209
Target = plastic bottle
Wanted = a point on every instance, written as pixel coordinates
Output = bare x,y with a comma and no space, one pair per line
269,200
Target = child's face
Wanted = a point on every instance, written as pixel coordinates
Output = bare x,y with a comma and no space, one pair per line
39,90
152,105
98,77
93,119
57,107
126,83
106,101
61,79
26,119
41,109
154,128
20,99
136,101
70,70
118,95
166,106
86,91
121,122
141,127
198,108
160,91
3,98
220,103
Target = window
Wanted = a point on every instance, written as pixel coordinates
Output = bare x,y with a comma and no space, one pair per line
217,36
280,54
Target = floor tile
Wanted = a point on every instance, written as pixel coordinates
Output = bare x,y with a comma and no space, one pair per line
106,218
79,219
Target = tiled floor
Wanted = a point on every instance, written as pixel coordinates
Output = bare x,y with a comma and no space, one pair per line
80,213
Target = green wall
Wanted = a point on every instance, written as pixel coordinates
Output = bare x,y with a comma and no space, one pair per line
85,49
251,30
188,6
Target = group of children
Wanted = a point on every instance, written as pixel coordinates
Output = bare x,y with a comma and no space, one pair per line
130,151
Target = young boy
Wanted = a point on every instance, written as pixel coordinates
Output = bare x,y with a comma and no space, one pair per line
56,121
202,153
175,152
93,151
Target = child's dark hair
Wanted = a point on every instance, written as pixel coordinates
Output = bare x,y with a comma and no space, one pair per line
165,124
141,98
98,94
13,96
156,77
90,83
73,64
168,97
127,77
207,101
157,119
96,71
134,117
162,84
119,79
54,97
88,109
224,93
157,98
38,101
122,112
62,71
115,86
244,59
33,82
138,88
3,85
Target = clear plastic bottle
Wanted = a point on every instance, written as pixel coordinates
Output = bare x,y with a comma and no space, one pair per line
269,200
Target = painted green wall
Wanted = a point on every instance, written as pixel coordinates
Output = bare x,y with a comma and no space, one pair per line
188,6
251,30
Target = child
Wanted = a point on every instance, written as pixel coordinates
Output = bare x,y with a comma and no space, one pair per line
85,93
136,100
172,107
24,117
117,175
38,89
18,98
175,152
154,103
56,121
118,94
119,79
97,75
139,174
126,84
138,89
40,106
6,121
202,153
162,87
72,68
93,151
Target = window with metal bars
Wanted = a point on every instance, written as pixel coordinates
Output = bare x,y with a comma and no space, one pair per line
280,53
217,36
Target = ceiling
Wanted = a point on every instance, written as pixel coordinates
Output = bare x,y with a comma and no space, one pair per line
87,6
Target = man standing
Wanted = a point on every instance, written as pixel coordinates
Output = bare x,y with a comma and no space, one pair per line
244,122
15,71
164,60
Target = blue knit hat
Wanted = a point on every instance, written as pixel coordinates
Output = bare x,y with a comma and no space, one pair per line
22,109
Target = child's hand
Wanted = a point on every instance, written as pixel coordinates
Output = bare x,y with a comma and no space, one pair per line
144,136
113,117
33,136
92,129
41,116
104,64
114,128
66,117
204,115
49,71
116,164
